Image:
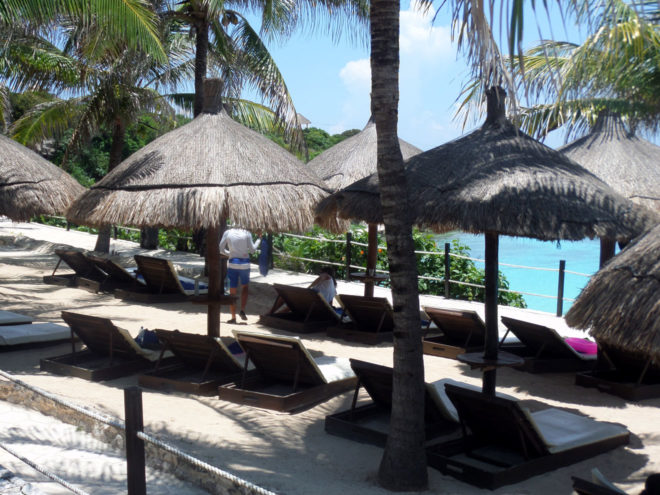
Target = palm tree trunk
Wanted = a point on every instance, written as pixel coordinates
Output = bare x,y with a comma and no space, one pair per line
403,466
201,54
116,148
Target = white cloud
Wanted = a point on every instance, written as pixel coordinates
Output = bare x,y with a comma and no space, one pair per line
420,39
356,76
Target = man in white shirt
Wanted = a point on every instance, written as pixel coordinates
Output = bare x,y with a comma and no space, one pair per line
237,244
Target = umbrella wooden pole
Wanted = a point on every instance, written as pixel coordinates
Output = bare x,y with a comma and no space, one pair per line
372,257
213,261
607,247
492,332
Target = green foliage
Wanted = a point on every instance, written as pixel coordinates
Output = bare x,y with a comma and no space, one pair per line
318,140
430,265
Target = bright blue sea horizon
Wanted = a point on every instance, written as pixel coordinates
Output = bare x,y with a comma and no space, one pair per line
581,256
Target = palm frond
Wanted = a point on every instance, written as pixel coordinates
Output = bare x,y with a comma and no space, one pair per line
46,120
262,73
130,20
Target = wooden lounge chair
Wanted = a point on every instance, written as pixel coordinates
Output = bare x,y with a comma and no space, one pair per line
10,318
462,331
26,335
203,363
162,283
371,318
632,376
308,311
116,276
370,423
289,379
544,350
86,274
598,485
504,443
111,351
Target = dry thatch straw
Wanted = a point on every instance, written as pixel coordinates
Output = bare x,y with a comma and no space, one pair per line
348,161
353,158
498,179
621,302
31,185
630,165
201,173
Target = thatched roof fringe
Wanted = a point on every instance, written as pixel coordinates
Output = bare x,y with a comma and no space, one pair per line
621,302
630,165
196,207
31,185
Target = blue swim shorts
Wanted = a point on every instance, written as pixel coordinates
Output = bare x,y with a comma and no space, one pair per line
235,275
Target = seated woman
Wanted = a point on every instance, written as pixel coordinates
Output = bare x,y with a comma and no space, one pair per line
325,284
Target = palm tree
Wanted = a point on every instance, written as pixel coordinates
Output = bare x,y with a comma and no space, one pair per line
115,90
615,69
133,21
403,466
227,43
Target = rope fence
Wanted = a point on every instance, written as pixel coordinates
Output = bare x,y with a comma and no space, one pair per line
561,271
126,427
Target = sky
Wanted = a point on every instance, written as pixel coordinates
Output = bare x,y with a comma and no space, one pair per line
330,81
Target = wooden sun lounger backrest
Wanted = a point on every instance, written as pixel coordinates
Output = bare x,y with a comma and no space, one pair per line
159,275
370,314
306,303
377,381
80,264
496,421
115,271
542,341
280,358
463,327
199,351
99,335
633,365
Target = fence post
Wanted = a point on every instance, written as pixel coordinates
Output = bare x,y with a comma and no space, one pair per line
349,238
447,270
134,446
560,288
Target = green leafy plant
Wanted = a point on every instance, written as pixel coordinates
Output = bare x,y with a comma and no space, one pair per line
289,250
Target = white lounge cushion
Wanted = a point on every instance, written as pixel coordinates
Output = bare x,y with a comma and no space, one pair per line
329,368
333,368
562,430
11,318
32,332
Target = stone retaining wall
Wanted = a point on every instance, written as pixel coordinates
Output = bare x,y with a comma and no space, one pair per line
155,457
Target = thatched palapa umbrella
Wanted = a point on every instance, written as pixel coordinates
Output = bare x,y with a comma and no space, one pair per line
630,165
497,180
343,164
201,174
31,185
621,302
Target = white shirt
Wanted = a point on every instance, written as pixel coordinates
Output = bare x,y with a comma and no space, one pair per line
327,289
238,244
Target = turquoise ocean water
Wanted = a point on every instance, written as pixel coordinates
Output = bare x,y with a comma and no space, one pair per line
580,256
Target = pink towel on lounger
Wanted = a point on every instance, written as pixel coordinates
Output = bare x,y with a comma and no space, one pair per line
582,345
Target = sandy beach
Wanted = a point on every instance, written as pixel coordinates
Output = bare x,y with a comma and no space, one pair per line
288,454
